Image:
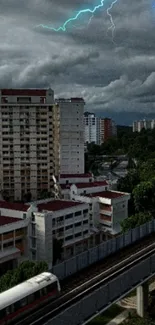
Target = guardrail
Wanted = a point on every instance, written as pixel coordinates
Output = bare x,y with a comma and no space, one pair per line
103,250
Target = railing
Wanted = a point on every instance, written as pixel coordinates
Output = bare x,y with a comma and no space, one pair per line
103,250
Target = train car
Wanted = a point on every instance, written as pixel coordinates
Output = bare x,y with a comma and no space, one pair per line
27,296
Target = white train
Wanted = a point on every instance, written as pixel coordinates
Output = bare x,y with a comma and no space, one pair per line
27,296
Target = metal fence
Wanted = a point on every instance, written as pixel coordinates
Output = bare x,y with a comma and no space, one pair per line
103,250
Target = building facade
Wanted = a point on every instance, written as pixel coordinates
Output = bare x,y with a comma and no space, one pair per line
108,129
137,126
107,209
71,135
91,128
13,242
64,220
29,142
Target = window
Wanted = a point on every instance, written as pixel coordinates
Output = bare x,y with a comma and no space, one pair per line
24,215
43,292
85,211
78,234
69,227
68,238
68,216
78,213
16,305
37,294
78,224
2,313
23,302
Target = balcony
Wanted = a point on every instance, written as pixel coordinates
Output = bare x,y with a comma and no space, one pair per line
106,212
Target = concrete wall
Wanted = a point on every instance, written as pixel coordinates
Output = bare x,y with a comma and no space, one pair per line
96,302
103,250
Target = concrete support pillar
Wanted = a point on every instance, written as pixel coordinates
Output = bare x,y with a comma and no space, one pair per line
142,299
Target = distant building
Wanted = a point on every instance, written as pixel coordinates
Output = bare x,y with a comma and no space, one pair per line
71,135
91,128
143,124
108,129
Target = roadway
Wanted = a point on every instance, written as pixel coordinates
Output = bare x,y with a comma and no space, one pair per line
84,283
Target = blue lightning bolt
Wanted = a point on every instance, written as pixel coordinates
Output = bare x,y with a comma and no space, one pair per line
63,27
111,19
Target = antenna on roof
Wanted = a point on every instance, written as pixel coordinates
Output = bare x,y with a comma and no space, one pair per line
57,188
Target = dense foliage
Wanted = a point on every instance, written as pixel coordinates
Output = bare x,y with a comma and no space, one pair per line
26,270
139,149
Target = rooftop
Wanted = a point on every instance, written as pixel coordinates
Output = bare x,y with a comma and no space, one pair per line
107,194
23,92
6,220
57,205
91,184
75,175
14,206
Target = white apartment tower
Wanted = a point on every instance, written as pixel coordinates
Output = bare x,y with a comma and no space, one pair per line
71,135
91,128
29,141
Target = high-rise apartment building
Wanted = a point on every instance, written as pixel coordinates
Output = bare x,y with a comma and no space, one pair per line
91,128
71,135
29,141
108,129
98,130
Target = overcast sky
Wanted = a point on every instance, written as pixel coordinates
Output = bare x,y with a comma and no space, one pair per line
84,61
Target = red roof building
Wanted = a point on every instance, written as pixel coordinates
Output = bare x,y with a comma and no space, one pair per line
14,206
57,205
4,220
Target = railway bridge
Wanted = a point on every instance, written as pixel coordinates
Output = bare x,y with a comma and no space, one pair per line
95,279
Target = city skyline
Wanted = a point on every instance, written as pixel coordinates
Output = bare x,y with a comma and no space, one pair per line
114,75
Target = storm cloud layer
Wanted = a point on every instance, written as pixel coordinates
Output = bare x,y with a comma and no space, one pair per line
84,61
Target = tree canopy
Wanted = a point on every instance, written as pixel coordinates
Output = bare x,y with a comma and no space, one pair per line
139,149
24,271
135,221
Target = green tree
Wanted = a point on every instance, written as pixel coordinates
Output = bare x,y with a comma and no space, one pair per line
144,196
135,220
57,249
25,271
146,170
128,183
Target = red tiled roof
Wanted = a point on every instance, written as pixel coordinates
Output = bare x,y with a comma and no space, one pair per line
107,194
6,220
14,206
57,205
23,92
75,175
91,184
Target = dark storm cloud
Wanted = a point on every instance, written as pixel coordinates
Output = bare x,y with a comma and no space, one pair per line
84,60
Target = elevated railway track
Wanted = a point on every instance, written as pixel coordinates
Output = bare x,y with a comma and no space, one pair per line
87,280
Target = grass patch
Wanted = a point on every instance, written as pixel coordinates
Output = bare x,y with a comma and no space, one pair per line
108,315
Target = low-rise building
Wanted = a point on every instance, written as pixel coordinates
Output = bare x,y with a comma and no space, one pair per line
66,180
13,242
107,209
65,220
88,188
